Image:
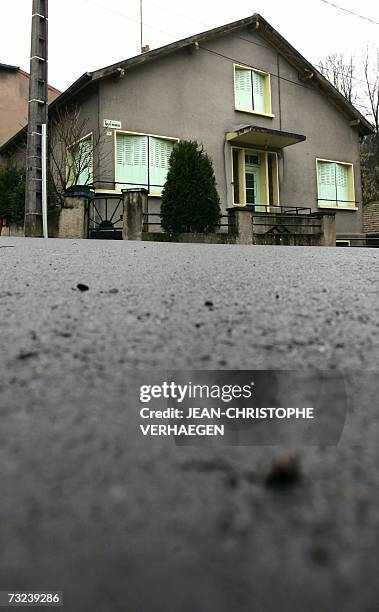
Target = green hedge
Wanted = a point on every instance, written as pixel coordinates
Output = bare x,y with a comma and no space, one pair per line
12,194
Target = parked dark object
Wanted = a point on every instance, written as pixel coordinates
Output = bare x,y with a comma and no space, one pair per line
190,202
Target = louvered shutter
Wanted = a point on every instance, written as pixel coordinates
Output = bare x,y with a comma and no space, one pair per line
327,183
132,160
244,89
84,162
160,153
342,179
259,95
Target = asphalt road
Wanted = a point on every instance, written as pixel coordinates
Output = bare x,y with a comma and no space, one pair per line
124,523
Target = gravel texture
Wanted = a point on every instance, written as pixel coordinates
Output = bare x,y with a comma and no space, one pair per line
124,523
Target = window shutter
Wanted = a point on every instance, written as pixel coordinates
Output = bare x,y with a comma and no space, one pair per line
342,179
121,160
84,162
259,92
327,183
132,160
243,89
159,153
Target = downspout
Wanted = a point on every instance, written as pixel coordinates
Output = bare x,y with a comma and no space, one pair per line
228,174
280,156
279,92
99,170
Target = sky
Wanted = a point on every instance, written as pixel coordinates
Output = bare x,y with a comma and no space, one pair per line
86,35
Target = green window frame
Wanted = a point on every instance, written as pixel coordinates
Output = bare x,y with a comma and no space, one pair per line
335,184
252,90
142,160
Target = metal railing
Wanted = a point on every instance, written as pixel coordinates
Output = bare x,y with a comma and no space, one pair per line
105,216
284,210
126,185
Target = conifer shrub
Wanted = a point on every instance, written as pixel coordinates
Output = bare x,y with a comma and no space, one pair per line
190,202
12,194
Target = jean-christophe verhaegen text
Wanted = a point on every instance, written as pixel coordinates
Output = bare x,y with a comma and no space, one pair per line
212,410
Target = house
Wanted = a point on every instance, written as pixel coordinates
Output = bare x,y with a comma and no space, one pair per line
277,131
14,96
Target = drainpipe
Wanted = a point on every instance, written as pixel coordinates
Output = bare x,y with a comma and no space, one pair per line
279,92
228,174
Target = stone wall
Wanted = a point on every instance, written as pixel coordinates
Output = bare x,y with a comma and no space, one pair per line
16,231
73,219
282,228
190,238
245,225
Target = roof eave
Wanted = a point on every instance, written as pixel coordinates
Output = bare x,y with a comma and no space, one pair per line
295,58
288,51
175,46
13,140
9,68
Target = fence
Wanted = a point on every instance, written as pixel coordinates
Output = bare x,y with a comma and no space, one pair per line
105,217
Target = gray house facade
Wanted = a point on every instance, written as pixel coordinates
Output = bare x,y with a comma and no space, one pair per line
277,131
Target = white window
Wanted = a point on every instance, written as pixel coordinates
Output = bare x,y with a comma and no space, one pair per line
335,184
252,90
142,161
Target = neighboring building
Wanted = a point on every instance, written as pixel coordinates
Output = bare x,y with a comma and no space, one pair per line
14,96
371,223
277,131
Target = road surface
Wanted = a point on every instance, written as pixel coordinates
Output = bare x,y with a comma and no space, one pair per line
124,523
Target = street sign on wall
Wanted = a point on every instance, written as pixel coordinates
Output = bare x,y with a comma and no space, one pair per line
113,125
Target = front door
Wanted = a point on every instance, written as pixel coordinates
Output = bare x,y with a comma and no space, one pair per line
252,179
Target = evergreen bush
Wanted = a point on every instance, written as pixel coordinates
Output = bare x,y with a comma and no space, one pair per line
12,194
190,202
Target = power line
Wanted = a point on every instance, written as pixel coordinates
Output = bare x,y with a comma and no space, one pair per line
208,26
345,10
178,14
252,42
109,10
281,78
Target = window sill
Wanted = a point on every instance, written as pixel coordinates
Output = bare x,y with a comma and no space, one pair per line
338,207
253,112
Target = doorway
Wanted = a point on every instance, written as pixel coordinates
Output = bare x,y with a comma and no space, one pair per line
252,179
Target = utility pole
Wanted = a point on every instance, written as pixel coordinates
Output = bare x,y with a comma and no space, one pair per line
37,122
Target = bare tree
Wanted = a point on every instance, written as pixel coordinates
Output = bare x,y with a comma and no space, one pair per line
359,83
371,76
341,72
75,151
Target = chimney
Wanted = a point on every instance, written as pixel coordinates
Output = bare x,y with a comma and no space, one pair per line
146,49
